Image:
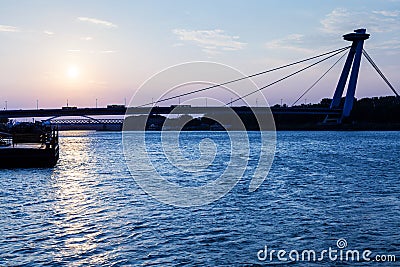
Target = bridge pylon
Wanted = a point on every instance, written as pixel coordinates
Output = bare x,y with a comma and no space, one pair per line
352,63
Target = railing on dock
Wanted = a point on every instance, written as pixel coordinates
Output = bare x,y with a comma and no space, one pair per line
49,138
5,139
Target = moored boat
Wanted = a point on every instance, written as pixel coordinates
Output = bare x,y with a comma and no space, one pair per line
29,149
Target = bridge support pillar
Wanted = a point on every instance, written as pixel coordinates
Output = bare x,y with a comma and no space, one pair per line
351,90
352,62
343,78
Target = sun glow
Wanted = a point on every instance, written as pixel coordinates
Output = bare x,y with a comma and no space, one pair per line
73,72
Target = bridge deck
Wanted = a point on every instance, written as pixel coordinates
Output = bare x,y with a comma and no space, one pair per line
160,110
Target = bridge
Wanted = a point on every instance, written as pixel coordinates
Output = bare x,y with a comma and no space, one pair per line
335,114
88,124
86,112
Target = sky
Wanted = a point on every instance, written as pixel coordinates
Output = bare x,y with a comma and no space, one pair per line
80,51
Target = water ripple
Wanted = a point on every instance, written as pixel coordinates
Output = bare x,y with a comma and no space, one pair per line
89,211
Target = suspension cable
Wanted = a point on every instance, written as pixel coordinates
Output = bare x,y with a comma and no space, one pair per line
379,72
247,77
319,79
286,77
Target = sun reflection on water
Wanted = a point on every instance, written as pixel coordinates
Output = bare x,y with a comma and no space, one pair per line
77,203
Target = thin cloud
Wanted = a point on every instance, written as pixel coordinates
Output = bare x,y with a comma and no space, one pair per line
98,22
387,13
6,28
211,41
337,21
391,44
294,42
391,47
341,20
48,32
107,51
92,51
87,38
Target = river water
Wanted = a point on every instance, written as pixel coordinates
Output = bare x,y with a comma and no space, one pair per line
88,210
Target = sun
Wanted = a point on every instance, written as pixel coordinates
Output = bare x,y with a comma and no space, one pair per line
73,72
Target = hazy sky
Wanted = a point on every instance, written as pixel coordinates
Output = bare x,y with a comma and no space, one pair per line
82,50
